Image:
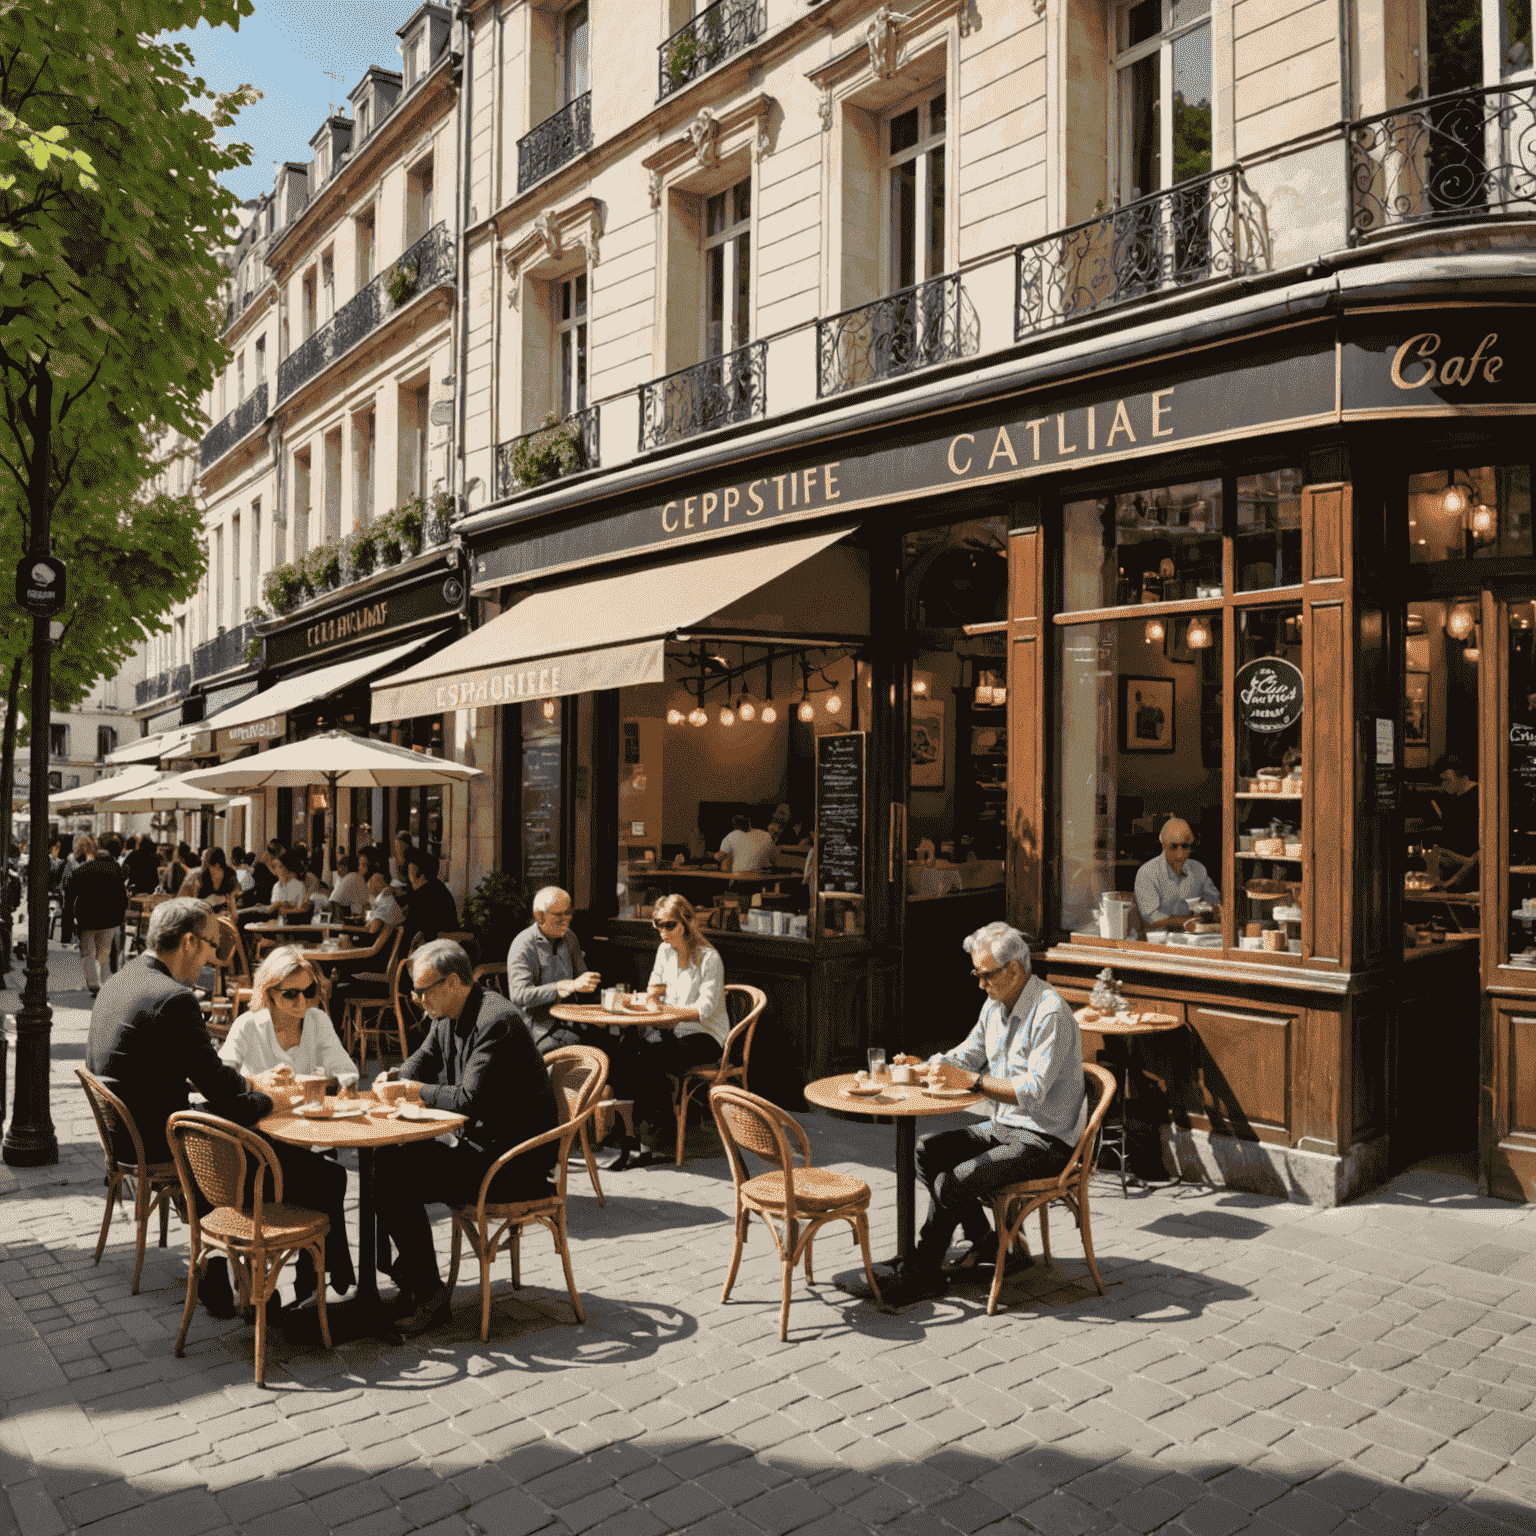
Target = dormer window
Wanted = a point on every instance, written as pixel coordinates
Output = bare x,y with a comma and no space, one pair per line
362,120
412,50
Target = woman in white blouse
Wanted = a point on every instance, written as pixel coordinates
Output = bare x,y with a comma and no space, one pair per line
688,975
285,1034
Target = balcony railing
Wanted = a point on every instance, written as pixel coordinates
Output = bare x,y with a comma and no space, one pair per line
710,38
1202,230
223,653
715,393
1464,155
430,263
240,423
932,322
538,457
555,141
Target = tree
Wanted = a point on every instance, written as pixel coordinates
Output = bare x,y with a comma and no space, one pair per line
111,216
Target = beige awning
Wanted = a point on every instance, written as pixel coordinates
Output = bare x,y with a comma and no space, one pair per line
607,633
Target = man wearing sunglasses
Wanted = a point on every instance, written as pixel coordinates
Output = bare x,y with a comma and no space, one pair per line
478,1060
544,967
147,1038
1025,1055
1166,885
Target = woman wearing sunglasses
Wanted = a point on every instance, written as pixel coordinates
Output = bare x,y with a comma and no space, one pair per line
285,1034
690,975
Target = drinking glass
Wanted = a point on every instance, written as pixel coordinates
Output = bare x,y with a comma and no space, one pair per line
876,1062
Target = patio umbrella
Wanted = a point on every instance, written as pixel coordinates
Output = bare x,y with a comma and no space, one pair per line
88,796
166,793
339,761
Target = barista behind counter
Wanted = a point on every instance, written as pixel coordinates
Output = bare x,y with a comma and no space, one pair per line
1166,885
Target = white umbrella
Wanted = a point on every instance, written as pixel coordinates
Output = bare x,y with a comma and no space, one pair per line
87,796
169,792
338,760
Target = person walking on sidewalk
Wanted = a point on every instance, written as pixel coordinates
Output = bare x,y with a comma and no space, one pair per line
100,899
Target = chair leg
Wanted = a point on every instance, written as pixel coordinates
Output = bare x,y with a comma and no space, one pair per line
458,1246
259,1301
810,1237
684,1093
141,1234
516,1245
194,1266
165,1215
1045,1232
586,1152
1093,1268
742,1218
789,1276
317,1253
861,1231
562,1240
113,1185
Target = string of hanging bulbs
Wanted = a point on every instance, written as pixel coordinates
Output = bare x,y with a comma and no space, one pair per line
745,706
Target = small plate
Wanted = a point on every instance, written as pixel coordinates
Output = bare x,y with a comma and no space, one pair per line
947,1093
864,1090
351,1112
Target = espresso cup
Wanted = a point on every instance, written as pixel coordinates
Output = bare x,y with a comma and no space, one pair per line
313,1084
389,1093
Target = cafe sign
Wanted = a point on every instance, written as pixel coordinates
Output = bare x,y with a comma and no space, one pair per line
1269,695
356,629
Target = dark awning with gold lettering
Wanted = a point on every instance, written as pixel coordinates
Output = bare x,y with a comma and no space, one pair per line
608,633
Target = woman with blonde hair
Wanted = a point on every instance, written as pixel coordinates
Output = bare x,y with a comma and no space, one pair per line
689,975
284,1034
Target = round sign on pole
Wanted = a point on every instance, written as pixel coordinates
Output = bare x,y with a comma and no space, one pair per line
40,585
1269,694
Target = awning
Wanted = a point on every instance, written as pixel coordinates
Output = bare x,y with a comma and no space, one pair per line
295,692
87,795
608,633
145,750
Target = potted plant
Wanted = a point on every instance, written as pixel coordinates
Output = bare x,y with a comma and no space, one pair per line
548,454
495,912
361,548
388,536
402,280
284,587
409,521
682,55
443,507
322,568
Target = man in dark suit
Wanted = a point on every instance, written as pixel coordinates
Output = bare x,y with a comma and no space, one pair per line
147,1038
429,904
478,1060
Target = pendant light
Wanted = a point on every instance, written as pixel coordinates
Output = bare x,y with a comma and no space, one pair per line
1461,621
768,714
1200,636
1153,631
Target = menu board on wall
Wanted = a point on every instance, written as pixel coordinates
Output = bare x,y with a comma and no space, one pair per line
541,799
840,812
1522,760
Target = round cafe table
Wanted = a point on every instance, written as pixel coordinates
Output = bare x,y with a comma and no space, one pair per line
594,1013
361,1317
906,1104
1112,1138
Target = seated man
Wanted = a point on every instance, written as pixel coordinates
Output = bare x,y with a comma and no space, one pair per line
351,894
385,911
1166,885
429,905
147,1038
743,848
544,967
1026,1055
384,916
478,1060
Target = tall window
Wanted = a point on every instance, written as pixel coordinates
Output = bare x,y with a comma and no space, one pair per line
1163,88
255,553
915,191
261,361
234,570
301,496
571,343
577,78
362,119
327,286
418,202
307,303
367,248
240,378
363,428
58,741
218,579
106,740
728,269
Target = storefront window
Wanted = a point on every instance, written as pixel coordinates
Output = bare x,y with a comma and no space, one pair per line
1470,514
717,783
1267,545
1147,546
1140,746
1521,787
1269,779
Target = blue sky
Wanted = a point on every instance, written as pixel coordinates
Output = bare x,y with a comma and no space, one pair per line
285,49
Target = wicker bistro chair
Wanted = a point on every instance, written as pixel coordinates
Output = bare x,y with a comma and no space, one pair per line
697,1079
367,1019
1014,1203
800,1200
152,1185
579,1074
213,1155
493,976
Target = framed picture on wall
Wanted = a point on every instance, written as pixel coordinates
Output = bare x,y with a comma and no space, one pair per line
1146,714
1416,720
927,744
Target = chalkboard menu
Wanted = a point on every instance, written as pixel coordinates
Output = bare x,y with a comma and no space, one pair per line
840,812
541,798
1522,763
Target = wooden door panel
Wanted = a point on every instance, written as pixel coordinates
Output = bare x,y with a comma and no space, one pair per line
1326,532
1243,1068
1329,800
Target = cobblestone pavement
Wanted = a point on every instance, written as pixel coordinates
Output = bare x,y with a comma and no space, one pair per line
1254,1366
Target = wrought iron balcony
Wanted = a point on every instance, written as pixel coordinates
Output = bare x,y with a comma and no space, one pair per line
555,141
932,322
239,424
223,653
559,449
1464,155
430,263
152,688
1205,229
717,32
718,392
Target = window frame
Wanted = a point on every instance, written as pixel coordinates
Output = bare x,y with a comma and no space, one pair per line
729,241
921,151
578,326
1121,60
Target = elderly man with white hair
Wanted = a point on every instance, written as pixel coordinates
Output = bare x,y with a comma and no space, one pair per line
1025,1055
1166,885
544,967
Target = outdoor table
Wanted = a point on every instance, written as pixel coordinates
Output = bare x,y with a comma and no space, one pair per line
362,1316
905,1103
594,1013
1112,1138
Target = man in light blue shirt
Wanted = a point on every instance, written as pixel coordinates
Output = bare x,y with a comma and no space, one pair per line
1166,885
544,967
1026,1056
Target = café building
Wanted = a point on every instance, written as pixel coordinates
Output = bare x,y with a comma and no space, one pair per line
966,648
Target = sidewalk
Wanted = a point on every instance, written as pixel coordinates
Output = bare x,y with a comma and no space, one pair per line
1254,1366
